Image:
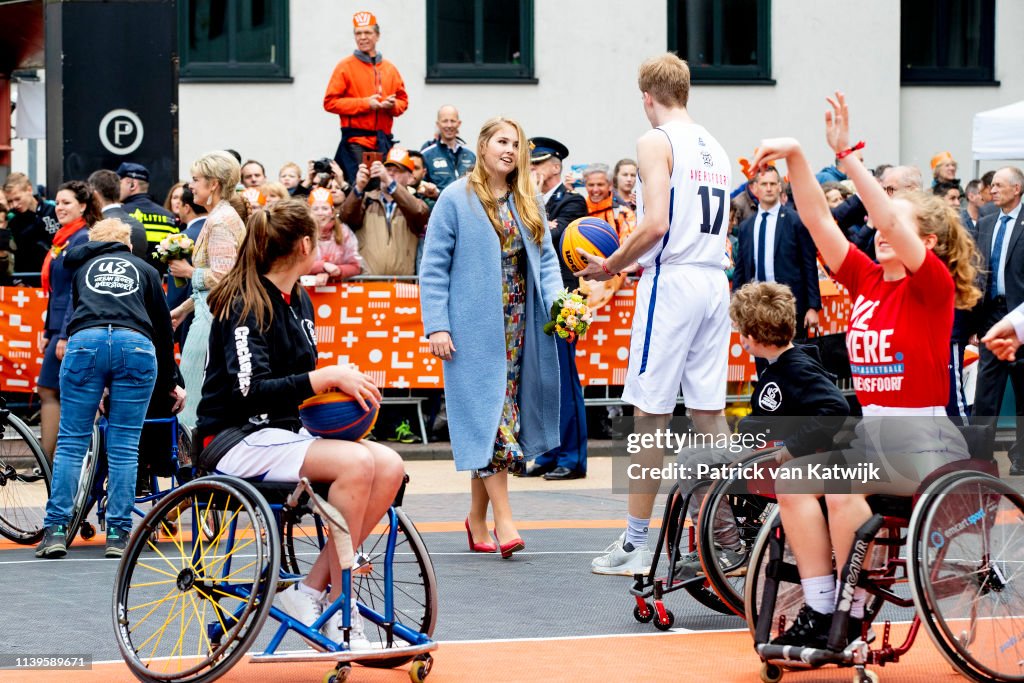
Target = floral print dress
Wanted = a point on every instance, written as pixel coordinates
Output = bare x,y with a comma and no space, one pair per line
508,454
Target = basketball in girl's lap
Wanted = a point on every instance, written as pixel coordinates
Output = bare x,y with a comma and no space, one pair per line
336,415
590,234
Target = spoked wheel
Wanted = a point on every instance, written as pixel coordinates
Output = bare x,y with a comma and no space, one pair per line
729,516
967,573
414,583
187,608
678,533
772,554
83,494
24,482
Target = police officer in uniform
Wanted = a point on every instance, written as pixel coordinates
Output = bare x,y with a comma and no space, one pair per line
135,200
569,460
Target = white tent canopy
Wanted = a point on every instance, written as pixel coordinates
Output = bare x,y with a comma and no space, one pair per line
999,133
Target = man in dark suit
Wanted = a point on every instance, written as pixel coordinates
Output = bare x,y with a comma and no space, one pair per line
569,460
105,186
774,246
1001,243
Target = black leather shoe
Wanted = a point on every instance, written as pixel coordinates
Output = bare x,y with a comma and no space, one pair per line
537,470
562,473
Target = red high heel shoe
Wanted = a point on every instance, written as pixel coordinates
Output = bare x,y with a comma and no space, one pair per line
479,547
513,546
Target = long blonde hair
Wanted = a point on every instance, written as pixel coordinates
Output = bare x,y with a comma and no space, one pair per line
524,194
953,244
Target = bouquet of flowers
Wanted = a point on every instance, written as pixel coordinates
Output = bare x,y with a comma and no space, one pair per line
173,247
570,317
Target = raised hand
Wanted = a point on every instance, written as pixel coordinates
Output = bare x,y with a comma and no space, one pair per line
837,123
772,149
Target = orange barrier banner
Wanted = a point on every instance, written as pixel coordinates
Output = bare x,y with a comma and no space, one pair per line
376,325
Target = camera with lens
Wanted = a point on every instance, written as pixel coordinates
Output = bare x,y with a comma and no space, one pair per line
323,166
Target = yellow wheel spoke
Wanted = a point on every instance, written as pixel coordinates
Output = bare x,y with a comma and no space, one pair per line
225,524
154,569
229,595
157,550
156,602
152,609
227,579
153,583
179,646
224,558
159,633
206,637
217,609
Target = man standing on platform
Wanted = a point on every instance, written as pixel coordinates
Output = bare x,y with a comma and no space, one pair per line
367,93
569,460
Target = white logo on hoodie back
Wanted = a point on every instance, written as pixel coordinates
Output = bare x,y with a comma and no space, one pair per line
112,276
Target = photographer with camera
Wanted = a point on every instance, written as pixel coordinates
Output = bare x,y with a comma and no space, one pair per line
386,216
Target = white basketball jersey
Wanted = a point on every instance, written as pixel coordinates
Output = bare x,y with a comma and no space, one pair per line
698,203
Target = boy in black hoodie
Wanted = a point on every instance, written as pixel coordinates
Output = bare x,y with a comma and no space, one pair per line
795,405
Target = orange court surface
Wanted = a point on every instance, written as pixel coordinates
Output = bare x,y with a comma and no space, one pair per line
539,617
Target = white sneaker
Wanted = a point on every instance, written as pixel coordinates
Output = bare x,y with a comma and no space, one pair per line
623,560
300,606
617,543
357,640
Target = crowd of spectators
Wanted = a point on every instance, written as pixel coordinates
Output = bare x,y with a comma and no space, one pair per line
372,203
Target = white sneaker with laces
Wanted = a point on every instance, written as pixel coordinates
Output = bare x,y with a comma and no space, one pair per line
623,560
300,606
357,640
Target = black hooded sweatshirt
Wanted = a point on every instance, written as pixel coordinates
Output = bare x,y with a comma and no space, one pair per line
112,286
258,377
797,402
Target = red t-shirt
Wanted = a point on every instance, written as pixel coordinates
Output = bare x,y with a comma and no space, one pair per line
899,331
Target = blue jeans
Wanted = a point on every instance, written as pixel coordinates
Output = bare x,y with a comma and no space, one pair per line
99,357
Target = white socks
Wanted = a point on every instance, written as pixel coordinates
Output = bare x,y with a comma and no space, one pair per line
636,531
820,593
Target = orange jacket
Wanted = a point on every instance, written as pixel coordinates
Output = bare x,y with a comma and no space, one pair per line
348,94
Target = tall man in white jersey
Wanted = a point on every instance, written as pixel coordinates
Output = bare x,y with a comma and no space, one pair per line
681,325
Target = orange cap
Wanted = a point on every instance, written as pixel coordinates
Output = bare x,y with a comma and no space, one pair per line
321,194
254,196
363,19
400,157
941,158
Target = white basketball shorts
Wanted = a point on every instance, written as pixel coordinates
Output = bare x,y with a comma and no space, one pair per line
680,339
269,454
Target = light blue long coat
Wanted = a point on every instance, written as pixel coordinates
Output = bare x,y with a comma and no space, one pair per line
461,293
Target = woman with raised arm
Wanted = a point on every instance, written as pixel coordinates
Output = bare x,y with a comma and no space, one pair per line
898,343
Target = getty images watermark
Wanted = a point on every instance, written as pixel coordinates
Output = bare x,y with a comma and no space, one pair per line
655,458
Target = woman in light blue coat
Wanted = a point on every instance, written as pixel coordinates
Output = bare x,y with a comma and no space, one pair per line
487,281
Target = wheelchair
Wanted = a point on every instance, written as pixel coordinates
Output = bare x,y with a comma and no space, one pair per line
187,607
171,461
24,480
720,586
955,545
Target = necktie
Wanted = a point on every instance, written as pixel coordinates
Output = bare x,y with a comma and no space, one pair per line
762,234
996,260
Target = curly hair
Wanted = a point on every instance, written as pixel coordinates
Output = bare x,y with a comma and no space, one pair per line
953,244
765,312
